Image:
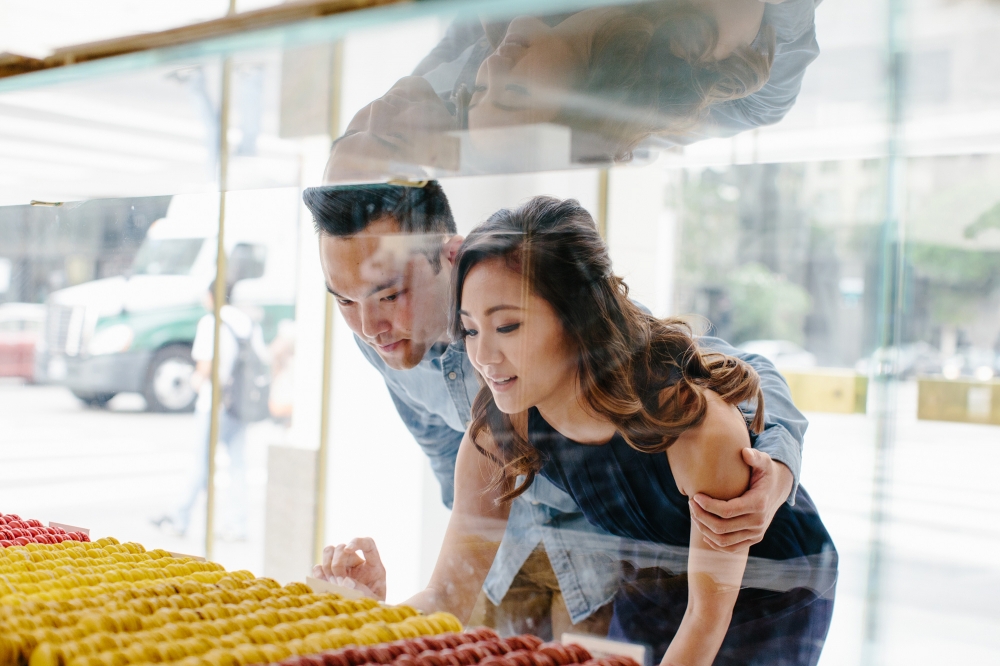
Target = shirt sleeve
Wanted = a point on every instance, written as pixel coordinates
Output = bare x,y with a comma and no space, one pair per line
784,425
204,339
439,442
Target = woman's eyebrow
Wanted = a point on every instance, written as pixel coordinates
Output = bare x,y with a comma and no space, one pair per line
495,308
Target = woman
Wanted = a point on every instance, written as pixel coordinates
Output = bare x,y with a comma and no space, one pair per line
630,417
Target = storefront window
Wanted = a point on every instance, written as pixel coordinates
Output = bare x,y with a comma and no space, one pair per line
450,234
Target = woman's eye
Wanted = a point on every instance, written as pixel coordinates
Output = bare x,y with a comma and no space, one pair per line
469,332
509,328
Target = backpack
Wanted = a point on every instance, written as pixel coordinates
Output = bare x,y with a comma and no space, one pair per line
249,388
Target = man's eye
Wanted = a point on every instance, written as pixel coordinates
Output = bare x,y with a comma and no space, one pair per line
509,328
344,302
391,297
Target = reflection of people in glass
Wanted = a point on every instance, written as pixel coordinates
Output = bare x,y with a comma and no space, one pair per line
680,70
546,529
384,131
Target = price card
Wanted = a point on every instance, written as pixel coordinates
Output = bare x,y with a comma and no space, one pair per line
196,558
70,528
602,647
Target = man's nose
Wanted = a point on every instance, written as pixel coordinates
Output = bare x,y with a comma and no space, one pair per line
373,323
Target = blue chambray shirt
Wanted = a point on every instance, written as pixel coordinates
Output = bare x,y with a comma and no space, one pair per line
434,399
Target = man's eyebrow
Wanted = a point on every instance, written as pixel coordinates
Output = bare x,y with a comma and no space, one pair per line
374,290
388,144
385,285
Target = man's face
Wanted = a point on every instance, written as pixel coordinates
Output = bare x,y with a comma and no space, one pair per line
385,132
388,291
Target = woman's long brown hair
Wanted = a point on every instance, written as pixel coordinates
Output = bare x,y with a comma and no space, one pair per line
646,375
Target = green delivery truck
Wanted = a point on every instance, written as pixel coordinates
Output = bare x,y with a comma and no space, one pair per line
133,332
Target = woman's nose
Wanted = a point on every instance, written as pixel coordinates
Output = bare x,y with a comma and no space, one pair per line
487,352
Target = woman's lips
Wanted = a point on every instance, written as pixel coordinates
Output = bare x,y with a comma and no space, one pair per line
501,385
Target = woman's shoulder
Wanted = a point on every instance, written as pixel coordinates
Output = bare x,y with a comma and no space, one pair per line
708,458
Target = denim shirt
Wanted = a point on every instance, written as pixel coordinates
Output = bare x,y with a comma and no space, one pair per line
434,399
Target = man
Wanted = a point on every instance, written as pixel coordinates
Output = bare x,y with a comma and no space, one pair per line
386,253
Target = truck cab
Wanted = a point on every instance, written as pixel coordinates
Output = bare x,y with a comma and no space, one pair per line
133,332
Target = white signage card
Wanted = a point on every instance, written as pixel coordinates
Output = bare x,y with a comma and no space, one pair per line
602,647
70,528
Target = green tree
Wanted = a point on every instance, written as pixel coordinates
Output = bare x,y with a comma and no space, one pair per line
765,305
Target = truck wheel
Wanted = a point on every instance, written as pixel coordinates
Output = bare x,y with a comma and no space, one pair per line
98,400
168,380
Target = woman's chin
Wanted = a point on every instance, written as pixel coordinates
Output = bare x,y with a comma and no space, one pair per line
508,404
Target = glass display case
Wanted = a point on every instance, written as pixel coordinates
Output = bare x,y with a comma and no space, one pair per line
487,269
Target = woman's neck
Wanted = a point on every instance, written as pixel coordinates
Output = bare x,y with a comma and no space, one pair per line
572,418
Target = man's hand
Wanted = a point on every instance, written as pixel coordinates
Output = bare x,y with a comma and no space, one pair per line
343,565
741,522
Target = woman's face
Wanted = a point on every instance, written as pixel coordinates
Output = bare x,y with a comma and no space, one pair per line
526,79
515,340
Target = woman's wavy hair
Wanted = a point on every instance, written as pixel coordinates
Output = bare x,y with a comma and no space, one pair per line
646,375
651,72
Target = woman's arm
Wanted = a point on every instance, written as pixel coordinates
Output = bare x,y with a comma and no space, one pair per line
708,459
474,532
476,526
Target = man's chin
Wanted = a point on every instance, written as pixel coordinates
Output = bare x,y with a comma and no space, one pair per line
402,357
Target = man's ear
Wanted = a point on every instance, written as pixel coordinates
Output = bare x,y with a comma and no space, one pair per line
450,249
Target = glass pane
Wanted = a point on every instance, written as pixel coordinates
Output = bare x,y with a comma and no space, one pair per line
807,187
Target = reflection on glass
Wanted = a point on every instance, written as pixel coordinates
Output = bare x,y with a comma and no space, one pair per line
596,86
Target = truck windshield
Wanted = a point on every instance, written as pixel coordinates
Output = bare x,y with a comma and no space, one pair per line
167,256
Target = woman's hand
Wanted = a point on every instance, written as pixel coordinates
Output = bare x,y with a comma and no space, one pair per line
342,565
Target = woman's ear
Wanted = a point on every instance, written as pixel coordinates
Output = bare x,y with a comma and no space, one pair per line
450,249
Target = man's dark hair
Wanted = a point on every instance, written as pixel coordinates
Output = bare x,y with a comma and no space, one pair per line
345,210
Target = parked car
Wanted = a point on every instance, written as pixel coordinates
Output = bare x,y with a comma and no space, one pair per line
21,326
783,353
976,363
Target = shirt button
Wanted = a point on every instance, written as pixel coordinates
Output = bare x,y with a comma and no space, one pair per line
452,375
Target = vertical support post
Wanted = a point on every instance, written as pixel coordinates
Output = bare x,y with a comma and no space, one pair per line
322,454
603,176
219,300
885,373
